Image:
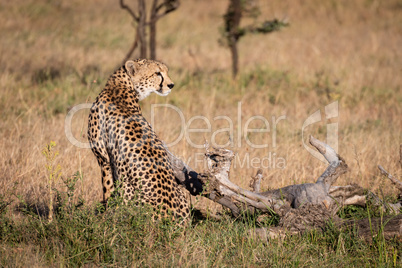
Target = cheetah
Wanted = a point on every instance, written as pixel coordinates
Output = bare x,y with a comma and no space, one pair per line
127,149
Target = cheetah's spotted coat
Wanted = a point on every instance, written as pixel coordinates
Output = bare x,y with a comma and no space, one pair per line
126,147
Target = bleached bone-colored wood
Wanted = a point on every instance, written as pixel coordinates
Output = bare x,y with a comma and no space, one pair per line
222,190
294,203
216,185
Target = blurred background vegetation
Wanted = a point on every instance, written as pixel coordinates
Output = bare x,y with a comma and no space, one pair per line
56,54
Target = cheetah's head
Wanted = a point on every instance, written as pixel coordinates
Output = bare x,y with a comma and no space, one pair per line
149,76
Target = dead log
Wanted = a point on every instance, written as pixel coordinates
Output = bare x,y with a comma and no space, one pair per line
314,193
349,195
302,207
216,185
315,216
193,182
356,195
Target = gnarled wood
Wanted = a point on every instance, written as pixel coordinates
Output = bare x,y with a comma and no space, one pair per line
216,185
302,207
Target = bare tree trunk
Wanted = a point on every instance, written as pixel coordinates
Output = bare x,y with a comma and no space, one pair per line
157,12
141,28
152,30
235,58
232,26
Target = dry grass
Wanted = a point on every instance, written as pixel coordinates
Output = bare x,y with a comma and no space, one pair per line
346,51
334,50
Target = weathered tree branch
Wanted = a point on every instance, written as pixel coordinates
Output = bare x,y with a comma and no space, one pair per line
301,207
216,185
315,193
395,181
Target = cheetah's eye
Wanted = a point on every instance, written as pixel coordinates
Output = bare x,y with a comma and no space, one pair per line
158,73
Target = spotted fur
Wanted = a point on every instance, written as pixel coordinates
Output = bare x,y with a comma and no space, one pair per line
127,149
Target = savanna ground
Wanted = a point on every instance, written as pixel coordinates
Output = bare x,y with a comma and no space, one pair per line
56,54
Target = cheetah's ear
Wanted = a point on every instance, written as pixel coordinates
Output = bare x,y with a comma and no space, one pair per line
131,67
